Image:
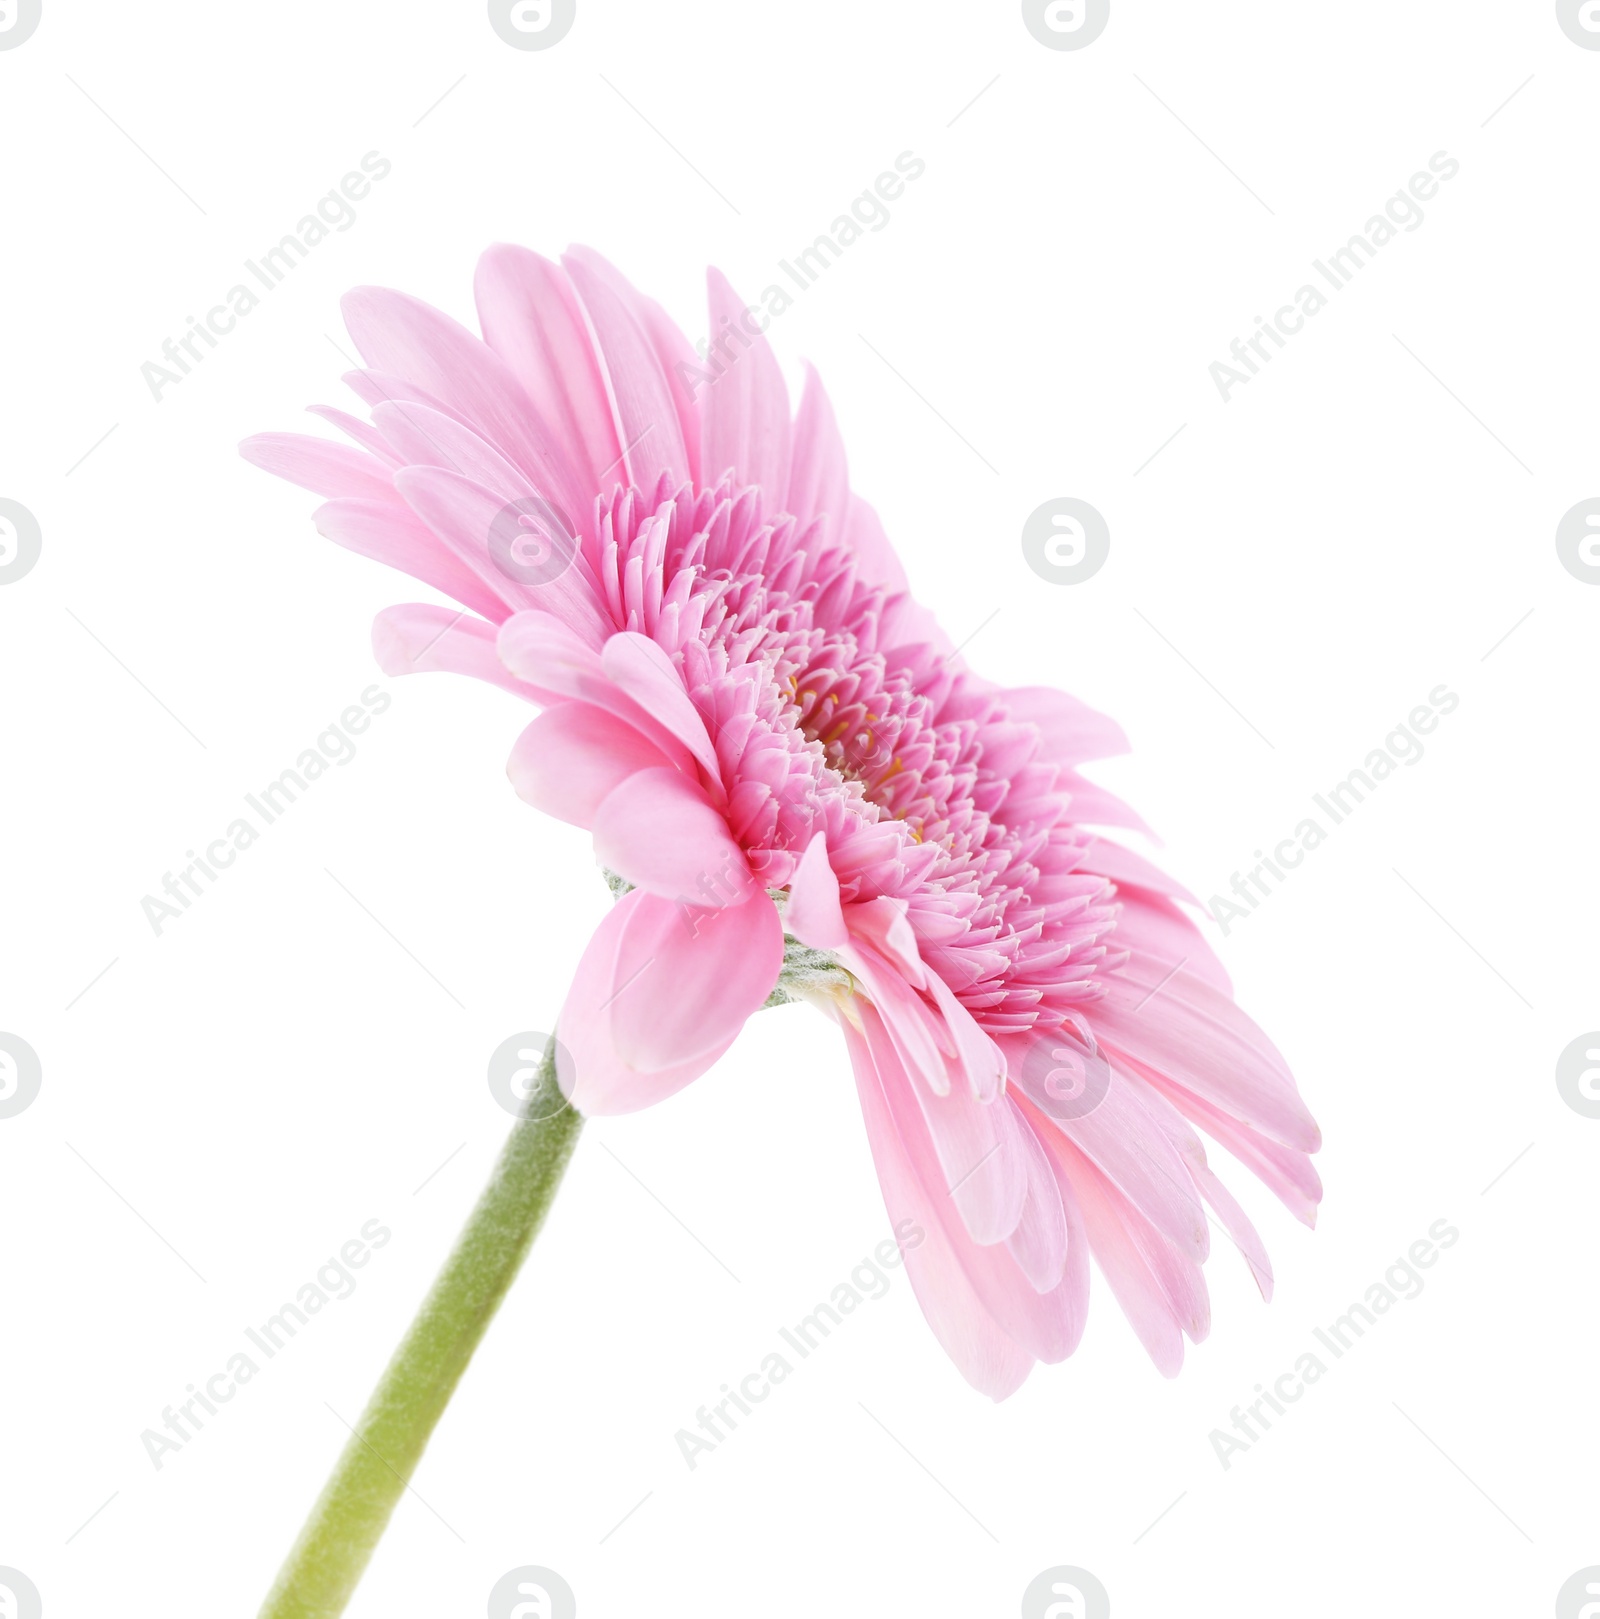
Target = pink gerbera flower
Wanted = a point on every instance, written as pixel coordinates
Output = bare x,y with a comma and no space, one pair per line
802,789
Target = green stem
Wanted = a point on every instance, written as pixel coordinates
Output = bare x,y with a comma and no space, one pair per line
344,1528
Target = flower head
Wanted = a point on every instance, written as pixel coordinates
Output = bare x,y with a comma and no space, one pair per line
798,778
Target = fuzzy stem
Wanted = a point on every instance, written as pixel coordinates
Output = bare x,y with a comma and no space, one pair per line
340,1536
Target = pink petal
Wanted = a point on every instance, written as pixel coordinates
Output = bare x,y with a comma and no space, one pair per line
532,319
1039,1243
1127,1145
642,407
546,651
660,994
420,639
402,335
1237,1224
882,924
1190,1148
1157,929
364,433
819,481
989,1360
593,1073
679,364
426,437
320,465
374,388
657,829
641,669
977,1056
876,560
390,534
978,1146
1043,1322
573,756
1089,804
1070,731
908,1020
1149,1311
745,415
687,980
1107,859
1203,1044
464,515
1285,1171
813,914
548,654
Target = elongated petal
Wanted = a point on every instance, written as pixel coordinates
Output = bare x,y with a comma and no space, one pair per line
644,412
420,638
1070,730
875,557
363,433
1126,1144
983,1353
1149,1310
660,995
658,829
573,756
881,924
1122,865
1152,925
532,319
1039,1243
978,1058
1090,804
1286,1171
320,465
594,1073
547,653
746,410
819,481
679,364
1044,1322
1235,1222
982,1165
404,336
467,517
1202,1043
388,533
430,438
640,668
814,915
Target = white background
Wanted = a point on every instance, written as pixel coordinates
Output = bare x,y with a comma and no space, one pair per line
1323,551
